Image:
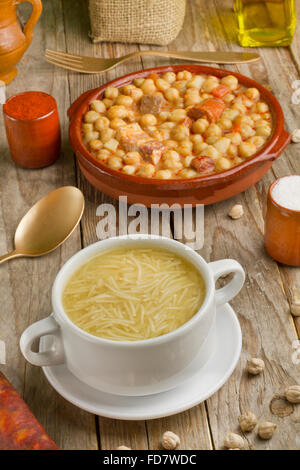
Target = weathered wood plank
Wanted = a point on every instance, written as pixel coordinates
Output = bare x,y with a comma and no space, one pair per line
26,283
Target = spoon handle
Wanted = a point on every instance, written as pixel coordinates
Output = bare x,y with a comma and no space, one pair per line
11,255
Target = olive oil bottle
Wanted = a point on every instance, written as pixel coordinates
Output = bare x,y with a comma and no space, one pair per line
265,22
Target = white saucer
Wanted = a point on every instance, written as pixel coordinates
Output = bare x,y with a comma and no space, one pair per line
206,381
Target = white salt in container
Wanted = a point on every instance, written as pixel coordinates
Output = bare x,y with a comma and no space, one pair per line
282,225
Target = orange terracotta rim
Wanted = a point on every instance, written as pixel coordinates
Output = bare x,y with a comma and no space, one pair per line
279,137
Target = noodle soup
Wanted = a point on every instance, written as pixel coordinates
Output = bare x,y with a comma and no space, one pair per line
133,293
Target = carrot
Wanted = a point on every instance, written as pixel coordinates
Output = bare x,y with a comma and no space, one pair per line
211,108
221,91
19,429
236,127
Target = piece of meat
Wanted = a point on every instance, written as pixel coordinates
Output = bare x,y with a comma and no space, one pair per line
212,108
151,104
133,139
152,151
203,165
19,429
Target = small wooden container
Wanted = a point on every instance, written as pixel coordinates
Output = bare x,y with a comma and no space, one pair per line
32,128
282,231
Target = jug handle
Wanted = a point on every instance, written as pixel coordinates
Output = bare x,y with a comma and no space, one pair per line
35,14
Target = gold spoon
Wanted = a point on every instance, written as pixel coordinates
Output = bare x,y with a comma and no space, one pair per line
48,223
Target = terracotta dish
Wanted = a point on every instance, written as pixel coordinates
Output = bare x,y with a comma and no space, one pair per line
201,190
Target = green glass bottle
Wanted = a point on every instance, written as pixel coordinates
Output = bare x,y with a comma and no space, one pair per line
265,22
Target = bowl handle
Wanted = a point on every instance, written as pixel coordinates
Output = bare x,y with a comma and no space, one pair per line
74,106
280,145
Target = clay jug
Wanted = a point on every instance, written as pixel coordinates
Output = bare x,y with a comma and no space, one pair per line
13,40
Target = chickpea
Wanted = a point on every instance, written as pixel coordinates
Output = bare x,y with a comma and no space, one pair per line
261,123
213,130
91,116
185,147
131,115
223,163
247,131
253,94
117,112
108,103
188,173
165,134
162,84
164,174
148,86
115,163
212,139
192,97
120,153
138,81
177,115
235,138
170,77
180,85
237,161
199,147
246,149
231,114
263,131
163,116
146,171
168,125
101,123
171,144
184,75
95,144
180,132
188,160
171,155
132,158
87,126
210,84
239,107
222,144
225,124
229,98
106,135
262,107
127,89
244,120
98,106
124,100
196,82
200,126
148,120
257,140
232,150
255,117
111,93
116,123
196,138
136,94
103,155
129,169
211,152
91,135
172,94
231,81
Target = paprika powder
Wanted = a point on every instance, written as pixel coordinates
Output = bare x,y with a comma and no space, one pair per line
32,128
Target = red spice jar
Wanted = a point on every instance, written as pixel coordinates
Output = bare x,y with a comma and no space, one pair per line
282,225
32,128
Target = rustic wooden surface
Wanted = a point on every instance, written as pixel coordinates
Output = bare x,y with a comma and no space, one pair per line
263,306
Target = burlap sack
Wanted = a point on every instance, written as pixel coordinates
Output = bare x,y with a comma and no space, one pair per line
139,21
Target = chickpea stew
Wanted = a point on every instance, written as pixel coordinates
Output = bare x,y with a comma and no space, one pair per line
176,126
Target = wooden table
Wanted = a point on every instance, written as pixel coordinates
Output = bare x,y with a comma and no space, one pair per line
263,306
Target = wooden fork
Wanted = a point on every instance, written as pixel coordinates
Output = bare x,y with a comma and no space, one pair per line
96,65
